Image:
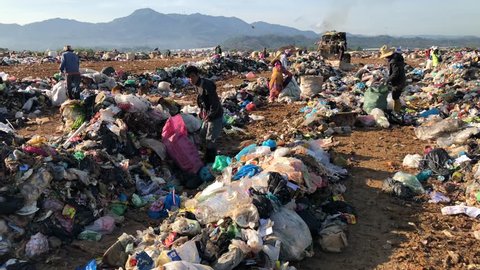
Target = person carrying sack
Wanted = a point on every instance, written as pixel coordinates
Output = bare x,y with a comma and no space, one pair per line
396,74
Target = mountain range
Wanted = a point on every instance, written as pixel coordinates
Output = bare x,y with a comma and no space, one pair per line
148,29
143,28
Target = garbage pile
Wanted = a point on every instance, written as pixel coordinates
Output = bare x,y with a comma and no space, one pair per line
444,104
251,215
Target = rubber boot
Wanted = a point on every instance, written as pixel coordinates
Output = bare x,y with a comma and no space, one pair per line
397,106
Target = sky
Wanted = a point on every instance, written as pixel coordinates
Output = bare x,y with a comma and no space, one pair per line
367,17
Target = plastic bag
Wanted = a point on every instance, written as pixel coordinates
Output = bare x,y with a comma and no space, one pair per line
38,244
185,226
221,162
58,94
193,123
91,265
412,161
189,252
157,146
375,97
290,93
244,151
457,138
247,171
254,241
246,216
435,129
103,225
286,228
410,181
179,147
233,257
183,265
132,103
380,118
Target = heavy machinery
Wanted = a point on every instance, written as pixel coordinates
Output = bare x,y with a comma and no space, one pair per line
333,46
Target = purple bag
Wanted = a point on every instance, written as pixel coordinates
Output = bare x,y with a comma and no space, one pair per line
179,147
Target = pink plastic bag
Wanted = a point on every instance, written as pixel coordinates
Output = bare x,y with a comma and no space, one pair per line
179,147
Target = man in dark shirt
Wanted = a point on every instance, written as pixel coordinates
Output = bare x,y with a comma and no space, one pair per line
70,66
396,75
211,111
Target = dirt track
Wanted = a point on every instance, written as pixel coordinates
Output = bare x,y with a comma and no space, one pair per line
390,233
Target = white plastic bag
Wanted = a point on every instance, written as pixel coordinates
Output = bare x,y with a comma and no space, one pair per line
435,129
380,118
189,252
293,233
183,265
290,93
193,123
58,94
412,161
409,181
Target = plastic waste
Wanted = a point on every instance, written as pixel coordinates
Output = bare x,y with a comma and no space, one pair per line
183,265
91,265
410,181
237,251
457,138
189,252
184,226
425,114
286,226
472,193
434,129
247,171
179,147
375,97
424,175
205,174
470,211
270,143
438,197
254,241
132,103
38,244
246,216
380,118
192,123
412,161
90,235
221,162
103,225
245,151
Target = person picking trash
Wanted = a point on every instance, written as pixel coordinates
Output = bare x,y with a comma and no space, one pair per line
277,81
211,112
70,66
396,75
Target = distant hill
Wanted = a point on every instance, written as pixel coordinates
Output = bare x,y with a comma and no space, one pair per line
142,28
147,28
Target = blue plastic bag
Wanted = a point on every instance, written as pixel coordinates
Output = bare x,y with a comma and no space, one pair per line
91,265
245,151
270,143
247,170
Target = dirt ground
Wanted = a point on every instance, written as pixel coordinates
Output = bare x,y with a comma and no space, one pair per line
390,233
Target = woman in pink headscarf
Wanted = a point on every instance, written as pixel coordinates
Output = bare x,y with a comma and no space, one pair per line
277,81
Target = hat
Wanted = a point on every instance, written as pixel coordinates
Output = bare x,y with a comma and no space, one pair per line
67,48
386,52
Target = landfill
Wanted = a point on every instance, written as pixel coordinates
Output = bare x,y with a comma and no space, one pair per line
129,145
